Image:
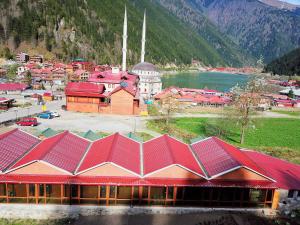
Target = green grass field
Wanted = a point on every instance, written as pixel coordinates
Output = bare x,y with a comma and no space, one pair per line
276,136
285,112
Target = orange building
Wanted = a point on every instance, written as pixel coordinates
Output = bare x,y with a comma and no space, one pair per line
68,169
91,97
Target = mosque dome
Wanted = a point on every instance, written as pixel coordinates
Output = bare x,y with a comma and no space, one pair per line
145,66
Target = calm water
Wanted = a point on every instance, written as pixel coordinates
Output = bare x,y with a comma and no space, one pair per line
210,80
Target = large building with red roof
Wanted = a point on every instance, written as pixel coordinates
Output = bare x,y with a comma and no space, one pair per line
68,169
93,97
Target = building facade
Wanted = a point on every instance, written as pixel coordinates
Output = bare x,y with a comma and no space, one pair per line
93,97
150,80
68,169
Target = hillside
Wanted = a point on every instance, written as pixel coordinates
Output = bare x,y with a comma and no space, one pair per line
288,64
258,28
92,29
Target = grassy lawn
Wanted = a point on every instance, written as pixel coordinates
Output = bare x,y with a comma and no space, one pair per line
279,137
34,222
285,112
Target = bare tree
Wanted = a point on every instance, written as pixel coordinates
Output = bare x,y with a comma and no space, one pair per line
169,105
245,102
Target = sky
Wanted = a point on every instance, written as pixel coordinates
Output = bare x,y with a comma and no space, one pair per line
296,2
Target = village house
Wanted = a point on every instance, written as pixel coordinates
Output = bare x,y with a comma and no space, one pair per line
116,170
92,97
12,88
112,79
79,75
190,96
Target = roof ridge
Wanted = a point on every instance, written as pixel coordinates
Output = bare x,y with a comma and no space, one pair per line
229,153
113,144
63,134
166,137
83,157
190,147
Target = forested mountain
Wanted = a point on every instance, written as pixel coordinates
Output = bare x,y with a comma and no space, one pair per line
259,28
288,64
93,29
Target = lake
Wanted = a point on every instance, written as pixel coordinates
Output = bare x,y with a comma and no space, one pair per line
211,80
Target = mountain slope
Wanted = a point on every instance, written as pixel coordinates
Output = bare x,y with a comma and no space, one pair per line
93,29
288,64
254,26
190,13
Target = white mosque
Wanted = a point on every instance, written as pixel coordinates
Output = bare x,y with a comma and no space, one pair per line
150,79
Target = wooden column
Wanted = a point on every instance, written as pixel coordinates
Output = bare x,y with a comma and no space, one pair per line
36,193
98,194
61,193
45,193
174,196
107,194
6,187
149,194
140,194
27,193
78,193
276,198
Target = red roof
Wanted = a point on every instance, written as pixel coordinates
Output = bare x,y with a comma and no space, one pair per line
63,150
117,149
219,157
165,151
114,78
13,145
12,87
130,89
85,89
286,174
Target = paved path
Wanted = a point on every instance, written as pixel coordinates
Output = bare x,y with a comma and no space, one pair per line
15,113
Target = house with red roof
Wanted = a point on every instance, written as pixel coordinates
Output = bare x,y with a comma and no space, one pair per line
113,78
69,169
12,88
93,97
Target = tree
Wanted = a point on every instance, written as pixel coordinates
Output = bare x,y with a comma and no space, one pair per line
245,102
28,78
291,94
169,105
12,72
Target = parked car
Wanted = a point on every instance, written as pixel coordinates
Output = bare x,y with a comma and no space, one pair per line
27,122
55,114
45,115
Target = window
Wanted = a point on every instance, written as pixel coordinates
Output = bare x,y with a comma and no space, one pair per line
124,193
112,192
145,192
74,190
88,191
102,191
53,190
16,190
2,190
170,192
31,190
158,192
41,190
291,194
179,194
135,192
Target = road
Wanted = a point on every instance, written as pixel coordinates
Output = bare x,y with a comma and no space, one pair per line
16,113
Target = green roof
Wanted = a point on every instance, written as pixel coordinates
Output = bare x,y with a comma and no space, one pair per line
48,132
91,135
134,137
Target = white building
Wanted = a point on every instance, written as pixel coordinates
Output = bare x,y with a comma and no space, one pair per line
150,79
